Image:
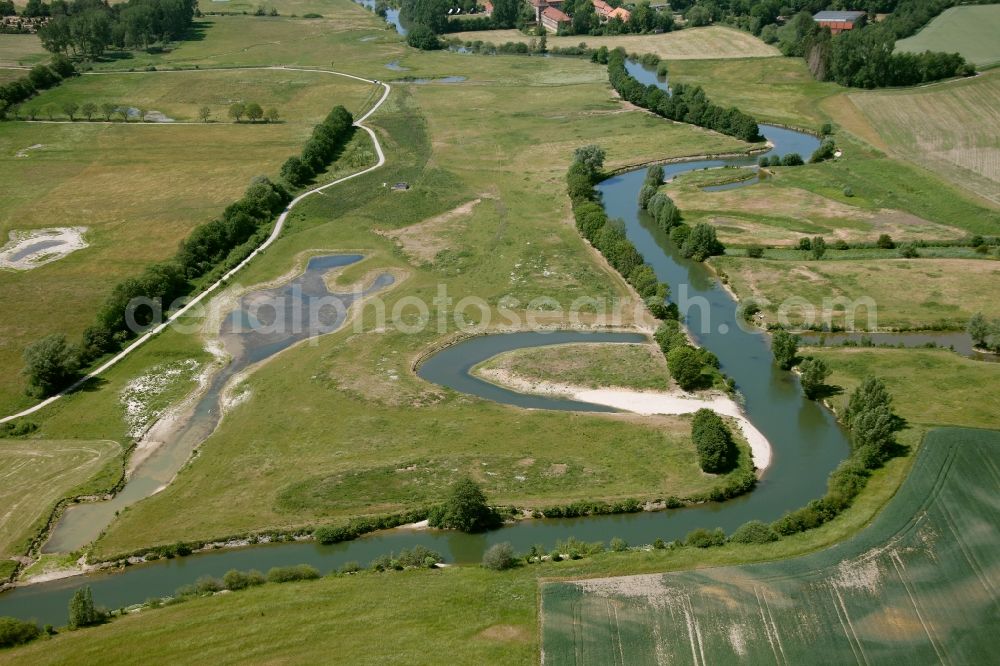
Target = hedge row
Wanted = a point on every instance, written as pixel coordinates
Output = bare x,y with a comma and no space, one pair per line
358,526
40,77
684,103
326,141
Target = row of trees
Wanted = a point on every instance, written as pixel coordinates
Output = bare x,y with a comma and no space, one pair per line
687,104
87,28
608,236
699,242
53,363
326,141
813,372
252,111
643,18
40,77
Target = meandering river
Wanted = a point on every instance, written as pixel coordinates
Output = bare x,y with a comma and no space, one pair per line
806,440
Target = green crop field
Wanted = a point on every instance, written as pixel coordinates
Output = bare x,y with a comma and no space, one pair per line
35,474
907,293
693,44
640,367
970,30
919,582
952,129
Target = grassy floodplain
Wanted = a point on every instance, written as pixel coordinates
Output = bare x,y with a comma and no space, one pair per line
907,293
123,183
951,128
917,581
971,31
21,51
693,43
639,367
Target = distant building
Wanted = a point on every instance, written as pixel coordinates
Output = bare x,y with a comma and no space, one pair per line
553,19
606,12
540,6
488,7
838,22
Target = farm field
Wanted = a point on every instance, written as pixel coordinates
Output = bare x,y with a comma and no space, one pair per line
908,293
21,50
951,128
971,31
123,184
639,367
712,42
777,90
35,474
930,387
916,582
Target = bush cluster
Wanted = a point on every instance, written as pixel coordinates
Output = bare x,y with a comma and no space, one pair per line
790,159
499,556
714,442
590,508
17,632
465,509
687,104
364,525
418,557
326,141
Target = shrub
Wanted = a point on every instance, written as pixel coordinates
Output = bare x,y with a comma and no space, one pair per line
51,364
685,366
909,251
702,243
351,566
418,556
754,532
499,556
239,580
714,442
848,191
818,248
885,242
618,545
755,252
82,612
659,544
17,632
814,373
805,244
826,129
785,347
792,159
293,573
702,538
679,234
465,509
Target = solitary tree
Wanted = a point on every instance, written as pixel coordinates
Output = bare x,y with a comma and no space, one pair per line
814,373
885,242
82,612
50,364
500,556
818,247
591,157
870,394
254,112
714,442
236,111
464,509
685,367
107,110
88,109
272,115
702,243
204,113
979,329
785,346
70,109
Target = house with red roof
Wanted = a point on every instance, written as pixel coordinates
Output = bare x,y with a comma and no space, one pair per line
553,19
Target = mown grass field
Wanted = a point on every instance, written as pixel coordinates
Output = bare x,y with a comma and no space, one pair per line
712,42
952,129
35,474
907,293
971,31
640,367
917,582
21,50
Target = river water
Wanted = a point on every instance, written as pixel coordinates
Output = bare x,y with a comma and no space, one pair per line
807,442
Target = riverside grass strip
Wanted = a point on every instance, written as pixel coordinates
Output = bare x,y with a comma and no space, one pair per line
919,581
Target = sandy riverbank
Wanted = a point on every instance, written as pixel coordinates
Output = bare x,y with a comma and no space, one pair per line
643,402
